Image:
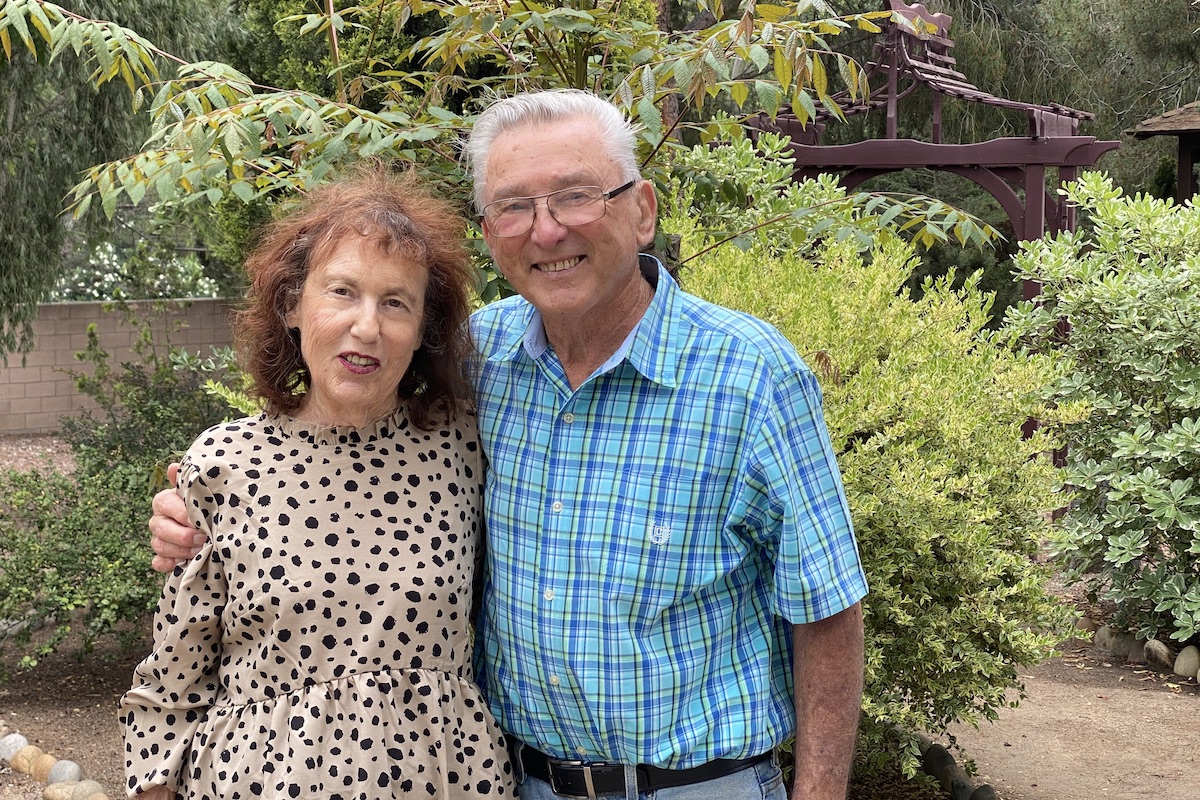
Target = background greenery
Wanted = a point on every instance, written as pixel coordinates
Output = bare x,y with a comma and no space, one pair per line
54,123
925,409
73,551
1120,311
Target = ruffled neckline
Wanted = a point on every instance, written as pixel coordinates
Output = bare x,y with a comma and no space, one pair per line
317,434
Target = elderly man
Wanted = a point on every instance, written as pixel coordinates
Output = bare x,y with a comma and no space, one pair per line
672,583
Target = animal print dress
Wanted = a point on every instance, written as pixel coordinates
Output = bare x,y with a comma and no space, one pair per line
318,647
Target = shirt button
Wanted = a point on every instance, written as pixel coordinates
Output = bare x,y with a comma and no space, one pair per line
554,680
557,506
548,594
568,417
582,751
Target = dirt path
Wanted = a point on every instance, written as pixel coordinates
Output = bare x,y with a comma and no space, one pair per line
68,707
1091,729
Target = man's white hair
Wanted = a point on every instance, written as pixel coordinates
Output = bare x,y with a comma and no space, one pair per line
617,134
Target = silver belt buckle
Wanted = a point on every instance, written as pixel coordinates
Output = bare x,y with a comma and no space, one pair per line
587,778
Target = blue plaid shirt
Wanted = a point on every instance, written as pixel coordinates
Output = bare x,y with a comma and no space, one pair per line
650,532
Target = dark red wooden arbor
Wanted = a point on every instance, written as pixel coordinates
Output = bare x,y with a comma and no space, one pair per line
1184,124
913,55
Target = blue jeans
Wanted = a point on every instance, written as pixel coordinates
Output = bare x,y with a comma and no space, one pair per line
763,781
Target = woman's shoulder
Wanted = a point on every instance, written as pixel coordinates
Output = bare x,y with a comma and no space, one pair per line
460,432
463,426
226,440
232,453
230,431
457,418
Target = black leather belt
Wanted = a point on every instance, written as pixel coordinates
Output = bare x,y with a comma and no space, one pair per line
589,779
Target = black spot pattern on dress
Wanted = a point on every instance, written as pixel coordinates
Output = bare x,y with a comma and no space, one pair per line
318,647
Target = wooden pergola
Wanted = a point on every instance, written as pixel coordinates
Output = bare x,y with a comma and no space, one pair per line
1184,124
913,55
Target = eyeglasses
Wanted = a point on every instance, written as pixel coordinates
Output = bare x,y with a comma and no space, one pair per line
579,205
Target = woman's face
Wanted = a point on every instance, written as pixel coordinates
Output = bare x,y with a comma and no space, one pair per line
360,319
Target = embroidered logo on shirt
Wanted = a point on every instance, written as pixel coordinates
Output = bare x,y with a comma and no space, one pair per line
659,534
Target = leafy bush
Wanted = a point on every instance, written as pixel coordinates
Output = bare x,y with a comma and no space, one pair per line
143,273
741,188
73,548
72,551
149,411
925,408
1129,290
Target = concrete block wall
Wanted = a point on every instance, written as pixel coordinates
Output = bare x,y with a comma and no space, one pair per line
35,394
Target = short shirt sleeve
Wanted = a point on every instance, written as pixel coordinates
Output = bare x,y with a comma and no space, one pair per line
800,499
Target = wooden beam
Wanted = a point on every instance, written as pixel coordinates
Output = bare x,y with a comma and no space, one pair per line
912,153
1185,186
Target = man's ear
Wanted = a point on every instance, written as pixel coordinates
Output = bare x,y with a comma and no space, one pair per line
647,203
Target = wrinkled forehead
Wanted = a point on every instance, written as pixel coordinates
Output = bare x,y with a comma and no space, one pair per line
535,159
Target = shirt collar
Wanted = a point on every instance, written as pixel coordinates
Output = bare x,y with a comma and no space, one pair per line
650,347
653,345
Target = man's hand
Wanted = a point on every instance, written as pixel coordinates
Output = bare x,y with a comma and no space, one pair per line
174,538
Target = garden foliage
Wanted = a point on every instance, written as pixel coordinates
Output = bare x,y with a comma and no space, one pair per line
73,556
133,275
925,408
741,192
73,549
217,133
149,411
1120,305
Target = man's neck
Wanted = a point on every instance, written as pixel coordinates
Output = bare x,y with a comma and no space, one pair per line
583,345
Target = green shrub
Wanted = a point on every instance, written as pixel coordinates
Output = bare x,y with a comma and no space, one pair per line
149,410
144,271
1129,288
742,191
73,549
72,553
925,408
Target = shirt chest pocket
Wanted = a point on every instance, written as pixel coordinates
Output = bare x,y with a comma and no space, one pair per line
658,495
647,556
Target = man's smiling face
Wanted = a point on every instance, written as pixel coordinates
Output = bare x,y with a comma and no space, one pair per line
577,272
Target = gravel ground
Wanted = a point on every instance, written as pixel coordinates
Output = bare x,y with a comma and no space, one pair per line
24,452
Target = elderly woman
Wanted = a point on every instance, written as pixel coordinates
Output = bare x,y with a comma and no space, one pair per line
318,645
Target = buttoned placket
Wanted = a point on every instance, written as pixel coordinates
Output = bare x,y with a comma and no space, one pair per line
556,525
557,517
